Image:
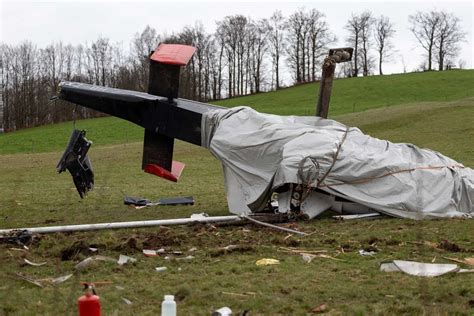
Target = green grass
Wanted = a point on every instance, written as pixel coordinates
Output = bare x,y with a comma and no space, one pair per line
349,95
32,194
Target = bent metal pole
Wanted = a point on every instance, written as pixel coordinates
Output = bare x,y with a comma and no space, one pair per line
100,226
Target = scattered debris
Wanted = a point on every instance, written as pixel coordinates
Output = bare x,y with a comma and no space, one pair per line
33,263
150,253
246,294
127,301
357,216
468,261
322,308
296,250
19,237
307,257
75,160
86,262
43,282
186,258
58,280
322,255
120,288
229,249
123,259
223,311
139,203
365,253
422,269
288,230
201,216
161,269
28,279
266,262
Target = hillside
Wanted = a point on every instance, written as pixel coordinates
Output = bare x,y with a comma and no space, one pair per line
349,95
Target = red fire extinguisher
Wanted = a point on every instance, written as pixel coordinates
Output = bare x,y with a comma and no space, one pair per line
89,303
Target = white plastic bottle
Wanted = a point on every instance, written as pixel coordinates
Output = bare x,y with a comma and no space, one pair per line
168,306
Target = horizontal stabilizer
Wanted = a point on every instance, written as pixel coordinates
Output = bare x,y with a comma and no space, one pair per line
173,175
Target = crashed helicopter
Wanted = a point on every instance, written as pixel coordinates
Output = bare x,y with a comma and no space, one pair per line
312,163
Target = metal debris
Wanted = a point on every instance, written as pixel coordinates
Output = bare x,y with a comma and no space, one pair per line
84,263
161,269
123,259
422,269
33,263
267,261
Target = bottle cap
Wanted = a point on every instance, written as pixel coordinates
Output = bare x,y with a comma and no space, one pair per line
169,297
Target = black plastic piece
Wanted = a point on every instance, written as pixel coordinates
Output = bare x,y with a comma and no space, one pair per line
128,200
75,160
187,200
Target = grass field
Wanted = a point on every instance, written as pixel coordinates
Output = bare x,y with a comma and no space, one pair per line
32,194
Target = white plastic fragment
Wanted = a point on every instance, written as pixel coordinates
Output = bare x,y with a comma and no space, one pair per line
84,263
223,311
123,259
365,253
60,279
149,253
357,216
127,301
307,257
419,268
161,269
33,263
199,216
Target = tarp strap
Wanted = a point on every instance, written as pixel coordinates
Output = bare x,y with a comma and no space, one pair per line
307,183
365,180
334,158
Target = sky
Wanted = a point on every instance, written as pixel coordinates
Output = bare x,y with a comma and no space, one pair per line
80,21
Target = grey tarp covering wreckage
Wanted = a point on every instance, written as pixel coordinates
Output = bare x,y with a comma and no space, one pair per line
262,152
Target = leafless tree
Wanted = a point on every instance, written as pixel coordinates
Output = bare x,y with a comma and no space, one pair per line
384,31
424,26
307,36
448,36
258,41
295,25
232,32
319,37
277,43
142,45
354,27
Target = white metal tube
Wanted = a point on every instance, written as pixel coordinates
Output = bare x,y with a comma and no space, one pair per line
99,226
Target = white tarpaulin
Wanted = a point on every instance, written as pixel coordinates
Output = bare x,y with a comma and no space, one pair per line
261,152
